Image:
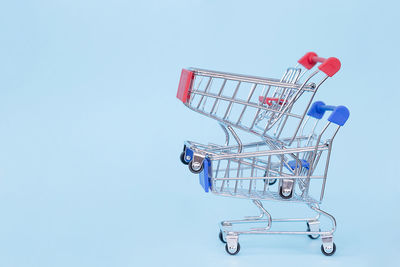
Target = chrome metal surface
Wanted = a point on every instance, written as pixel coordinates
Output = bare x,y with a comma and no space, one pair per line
229,225
259,105
294,149
197,161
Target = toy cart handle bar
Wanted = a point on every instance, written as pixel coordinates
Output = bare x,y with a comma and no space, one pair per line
329,65
339,115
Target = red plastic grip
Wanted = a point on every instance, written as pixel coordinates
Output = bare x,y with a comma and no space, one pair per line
329,66
184,85
308,60
318,59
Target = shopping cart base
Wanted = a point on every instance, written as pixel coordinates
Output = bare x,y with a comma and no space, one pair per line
230,236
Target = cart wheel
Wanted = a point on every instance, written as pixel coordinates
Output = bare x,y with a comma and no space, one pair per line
221,237
329,253
183,158
195,169
282,195
231,252
312,236
271,181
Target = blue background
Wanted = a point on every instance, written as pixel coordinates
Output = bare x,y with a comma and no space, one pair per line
91,129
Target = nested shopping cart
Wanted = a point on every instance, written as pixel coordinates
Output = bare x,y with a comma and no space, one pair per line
299,162
261,106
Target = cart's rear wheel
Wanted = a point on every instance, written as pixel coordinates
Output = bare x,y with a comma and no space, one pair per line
312,236
231,251
284,196
328,253
221,237
270,181
195,167
182,157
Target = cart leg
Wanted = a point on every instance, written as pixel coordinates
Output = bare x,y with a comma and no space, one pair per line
226,134
316,208
263,213
227,225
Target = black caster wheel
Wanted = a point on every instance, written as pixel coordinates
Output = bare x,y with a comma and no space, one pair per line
270,181
183,158
195,169
283,196
221,237
329,253
231,252
312,236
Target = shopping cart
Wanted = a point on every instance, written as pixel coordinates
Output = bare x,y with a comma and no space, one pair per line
299,162
261,106
245,171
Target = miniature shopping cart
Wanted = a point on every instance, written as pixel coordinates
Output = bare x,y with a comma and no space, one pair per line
299,162
261,106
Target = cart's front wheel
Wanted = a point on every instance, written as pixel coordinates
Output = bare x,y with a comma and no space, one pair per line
183,158
195,167
232,251
328,251
221,237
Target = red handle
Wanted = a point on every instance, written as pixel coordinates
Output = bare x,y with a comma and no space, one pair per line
329,65
318,59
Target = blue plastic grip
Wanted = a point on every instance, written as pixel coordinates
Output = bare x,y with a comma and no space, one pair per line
204,176
304,164
339,115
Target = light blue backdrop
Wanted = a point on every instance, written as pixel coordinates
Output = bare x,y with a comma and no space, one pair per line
91,129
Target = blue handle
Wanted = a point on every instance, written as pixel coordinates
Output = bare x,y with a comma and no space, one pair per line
339,115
